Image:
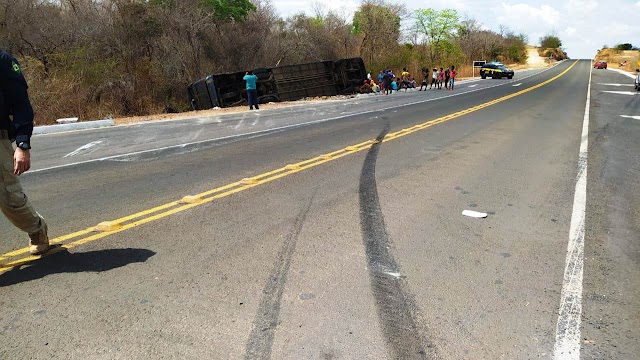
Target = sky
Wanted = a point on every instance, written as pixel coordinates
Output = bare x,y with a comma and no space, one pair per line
583,26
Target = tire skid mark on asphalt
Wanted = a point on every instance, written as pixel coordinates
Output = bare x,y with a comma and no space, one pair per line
396,308
260,341
162,211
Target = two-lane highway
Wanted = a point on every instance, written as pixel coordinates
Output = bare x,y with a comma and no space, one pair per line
336,232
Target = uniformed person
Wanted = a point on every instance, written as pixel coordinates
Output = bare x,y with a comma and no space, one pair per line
16,124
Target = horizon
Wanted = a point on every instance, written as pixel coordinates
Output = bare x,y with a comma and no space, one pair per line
572,21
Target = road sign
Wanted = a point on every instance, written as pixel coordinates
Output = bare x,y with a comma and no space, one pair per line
479,63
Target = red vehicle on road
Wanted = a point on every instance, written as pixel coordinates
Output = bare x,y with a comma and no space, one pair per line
600,65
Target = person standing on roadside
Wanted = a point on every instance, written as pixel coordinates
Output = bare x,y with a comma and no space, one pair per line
452,75
447,75
434,78
386,83
425,79
16,124
252,93
440,78
380,76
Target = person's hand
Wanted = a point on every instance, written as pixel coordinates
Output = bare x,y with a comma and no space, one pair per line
21,161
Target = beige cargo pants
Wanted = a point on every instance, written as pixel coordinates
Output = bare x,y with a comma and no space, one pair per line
13,202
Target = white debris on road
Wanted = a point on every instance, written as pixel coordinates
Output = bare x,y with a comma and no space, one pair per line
474,214
83,148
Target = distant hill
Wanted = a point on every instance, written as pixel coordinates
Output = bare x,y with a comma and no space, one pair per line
557,53
540,58
534,60
620,59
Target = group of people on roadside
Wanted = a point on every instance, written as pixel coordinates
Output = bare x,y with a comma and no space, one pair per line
388,83
439,77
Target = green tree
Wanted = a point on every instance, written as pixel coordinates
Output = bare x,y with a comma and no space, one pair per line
378,24
516,47
224,10
235,10
625,46
436,28
550,42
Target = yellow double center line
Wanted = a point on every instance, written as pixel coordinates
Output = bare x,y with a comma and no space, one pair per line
108,228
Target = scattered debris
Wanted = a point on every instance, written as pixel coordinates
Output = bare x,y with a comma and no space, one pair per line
474,214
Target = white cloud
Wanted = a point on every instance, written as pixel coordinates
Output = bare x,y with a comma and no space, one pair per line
345,8
585,6
526,17
582,25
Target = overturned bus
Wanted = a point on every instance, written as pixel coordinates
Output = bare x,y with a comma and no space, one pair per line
284,83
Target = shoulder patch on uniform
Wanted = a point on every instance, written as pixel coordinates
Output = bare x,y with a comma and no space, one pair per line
16,67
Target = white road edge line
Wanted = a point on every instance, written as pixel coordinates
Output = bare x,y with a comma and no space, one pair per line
255,134
616,85
625,73
567,346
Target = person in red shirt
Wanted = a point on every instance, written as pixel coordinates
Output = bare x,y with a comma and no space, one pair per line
440,78
452,77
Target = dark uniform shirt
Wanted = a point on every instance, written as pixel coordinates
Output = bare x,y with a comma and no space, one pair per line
16,113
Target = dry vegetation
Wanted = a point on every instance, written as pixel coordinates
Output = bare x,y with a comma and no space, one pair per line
616,58
553,53
117,58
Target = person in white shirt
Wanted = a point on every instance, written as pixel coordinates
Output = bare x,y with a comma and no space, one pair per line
434,78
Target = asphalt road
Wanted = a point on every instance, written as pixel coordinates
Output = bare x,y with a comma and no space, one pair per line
361,255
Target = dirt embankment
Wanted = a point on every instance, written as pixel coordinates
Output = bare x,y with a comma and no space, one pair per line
220,111
628,60
553,54
534,60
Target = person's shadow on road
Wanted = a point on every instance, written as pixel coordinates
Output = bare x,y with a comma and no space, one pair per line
62,261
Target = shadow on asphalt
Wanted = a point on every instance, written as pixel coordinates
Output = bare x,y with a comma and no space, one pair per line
65,262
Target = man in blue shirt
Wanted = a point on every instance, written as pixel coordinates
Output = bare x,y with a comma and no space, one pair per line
252,93
16,123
